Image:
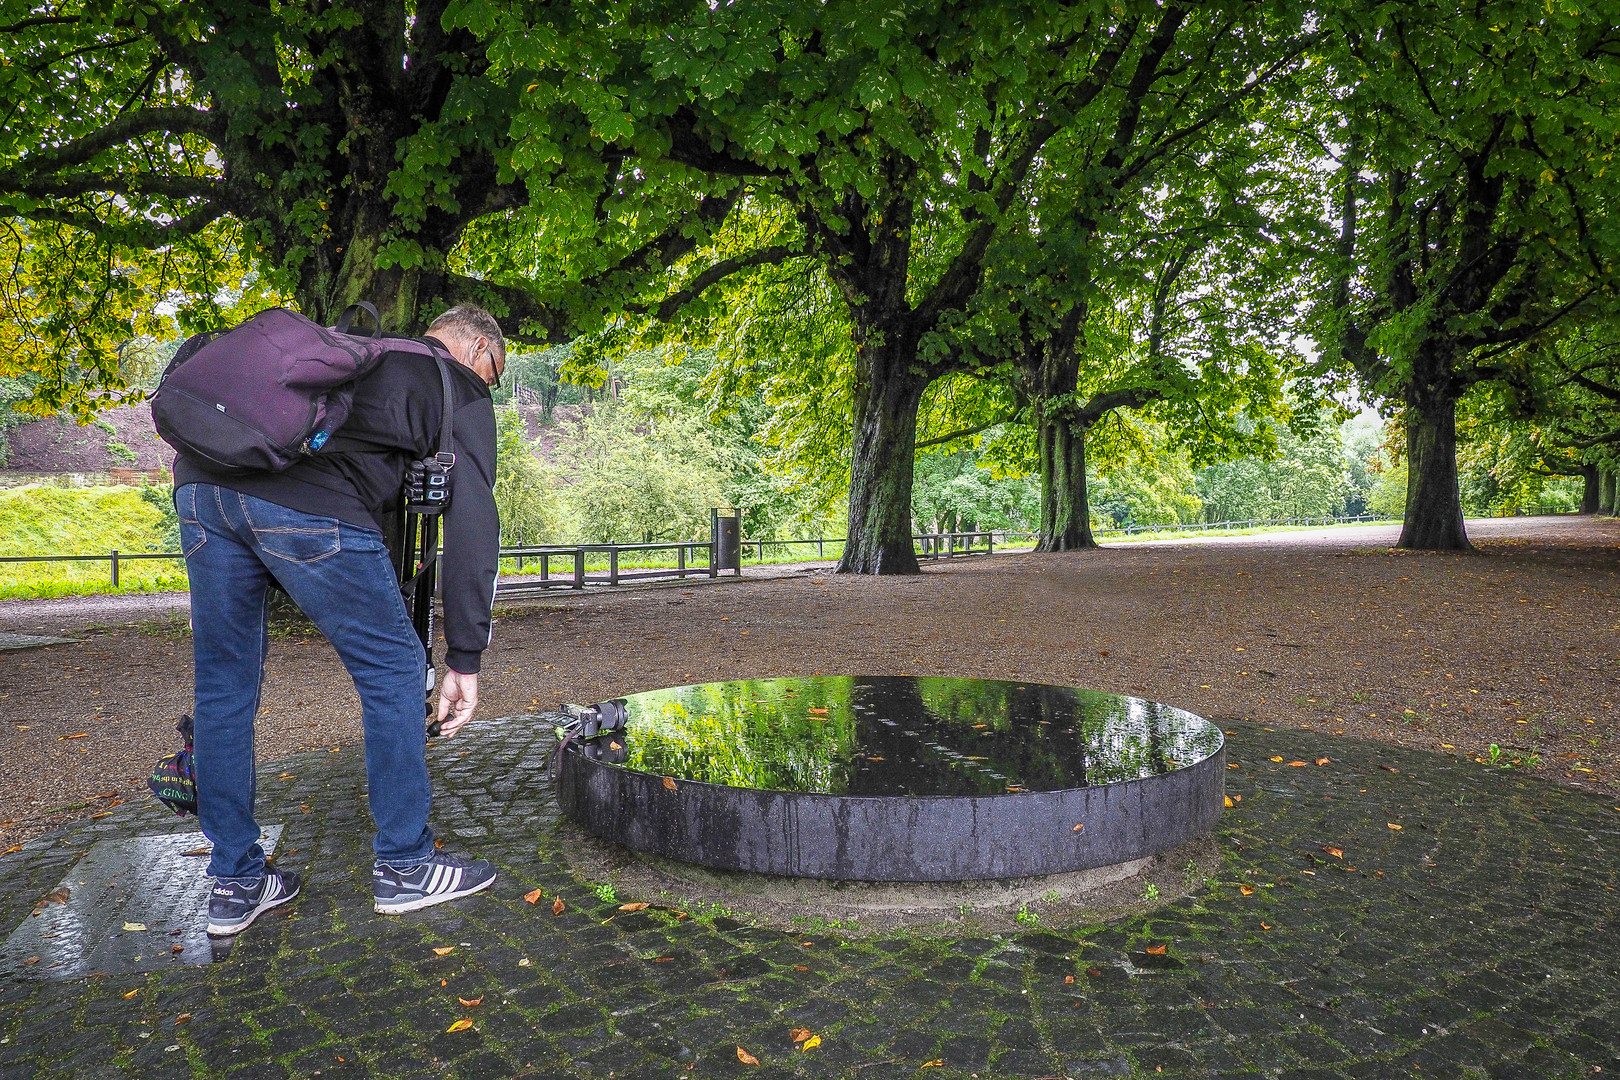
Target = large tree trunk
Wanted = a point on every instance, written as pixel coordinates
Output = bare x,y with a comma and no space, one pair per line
1606,486
1065,509
1589,489
880,467
1434,519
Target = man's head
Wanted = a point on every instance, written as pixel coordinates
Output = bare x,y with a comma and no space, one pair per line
474,339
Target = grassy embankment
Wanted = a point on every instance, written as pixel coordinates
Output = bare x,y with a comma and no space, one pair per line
46,520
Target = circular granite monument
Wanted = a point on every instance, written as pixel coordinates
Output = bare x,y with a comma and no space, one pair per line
897,778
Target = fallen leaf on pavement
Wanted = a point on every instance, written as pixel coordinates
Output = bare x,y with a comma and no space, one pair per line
669,783
639,905
819,712
936,1063
1157,950
746,1058
814,1040
57,896
1324,761
134,926
1078,827
182,1018
1265,926
1337,853
1067,979
445,950
1277,758
459,1025
80,735
798,1035
532,897
557,906
1296,764
1394,826
132,993
473,1003
1229,802
1246,890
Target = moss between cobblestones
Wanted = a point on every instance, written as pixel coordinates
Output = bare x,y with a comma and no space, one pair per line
1470,943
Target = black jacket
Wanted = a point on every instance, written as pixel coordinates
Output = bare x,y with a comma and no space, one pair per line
397,409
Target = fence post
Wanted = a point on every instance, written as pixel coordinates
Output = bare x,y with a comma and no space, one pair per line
579,568
680,560
989,543
115,568
613,564
545,566
821,548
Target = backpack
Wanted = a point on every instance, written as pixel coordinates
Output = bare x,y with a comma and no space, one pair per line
269,392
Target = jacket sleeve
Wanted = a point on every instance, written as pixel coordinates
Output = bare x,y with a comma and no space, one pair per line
472,537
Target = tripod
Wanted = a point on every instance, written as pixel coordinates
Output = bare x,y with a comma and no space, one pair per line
418,573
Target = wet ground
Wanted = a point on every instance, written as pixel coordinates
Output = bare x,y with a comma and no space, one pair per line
1375,912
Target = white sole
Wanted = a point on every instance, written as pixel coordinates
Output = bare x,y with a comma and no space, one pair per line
429,901
232,931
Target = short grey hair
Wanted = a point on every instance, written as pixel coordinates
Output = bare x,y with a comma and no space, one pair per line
469,321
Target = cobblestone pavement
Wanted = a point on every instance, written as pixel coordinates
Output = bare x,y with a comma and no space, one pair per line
1468,930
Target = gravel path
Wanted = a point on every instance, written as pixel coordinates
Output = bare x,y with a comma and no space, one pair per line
1515,645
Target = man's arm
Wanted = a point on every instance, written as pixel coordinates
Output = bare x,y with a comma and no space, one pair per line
472,538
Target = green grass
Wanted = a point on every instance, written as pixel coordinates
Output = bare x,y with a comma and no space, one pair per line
45,520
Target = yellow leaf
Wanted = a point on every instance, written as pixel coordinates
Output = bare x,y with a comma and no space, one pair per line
798,1035
1265,926
1078,827
1229,802
444,951
1246,890
557,906
814,1040
1277,758
1394,826
134,926
132,993
532,897
1337,853
746,1058
639,905
459,1025
936,1063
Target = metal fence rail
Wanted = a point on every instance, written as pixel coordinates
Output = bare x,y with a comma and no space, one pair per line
696,558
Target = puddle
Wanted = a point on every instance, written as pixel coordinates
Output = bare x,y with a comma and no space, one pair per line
134,904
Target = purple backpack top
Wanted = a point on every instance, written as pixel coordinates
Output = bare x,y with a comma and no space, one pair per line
263,395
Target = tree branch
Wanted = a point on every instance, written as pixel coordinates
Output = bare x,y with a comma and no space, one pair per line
965,432
73,185
133,233
176,120
522,317
721,270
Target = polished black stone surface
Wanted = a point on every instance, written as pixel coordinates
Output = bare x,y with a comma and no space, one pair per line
903,736
897,778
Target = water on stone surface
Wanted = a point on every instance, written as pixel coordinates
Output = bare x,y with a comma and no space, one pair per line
901,735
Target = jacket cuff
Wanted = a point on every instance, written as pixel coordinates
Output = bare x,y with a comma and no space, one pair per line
462,661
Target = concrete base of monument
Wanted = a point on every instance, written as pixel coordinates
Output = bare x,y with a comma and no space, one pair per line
1053,901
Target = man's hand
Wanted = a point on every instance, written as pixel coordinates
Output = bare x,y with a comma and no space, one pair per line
459,692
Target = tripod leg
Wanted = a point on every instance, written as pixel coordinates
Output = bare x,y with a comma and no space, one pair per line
422,604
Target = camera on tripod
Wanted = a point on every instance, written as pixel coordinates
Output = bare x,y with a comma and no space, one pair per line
591,721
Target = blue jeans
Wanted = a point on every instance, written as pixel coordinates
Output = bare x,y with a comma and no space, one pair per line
341,577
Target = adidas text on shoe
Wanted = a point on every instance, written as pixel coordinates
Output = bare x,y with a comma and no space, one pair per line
443,877
232,907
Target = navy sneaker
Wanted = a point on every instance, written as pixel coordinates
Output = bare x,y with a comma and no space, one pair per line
443,877
233,907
